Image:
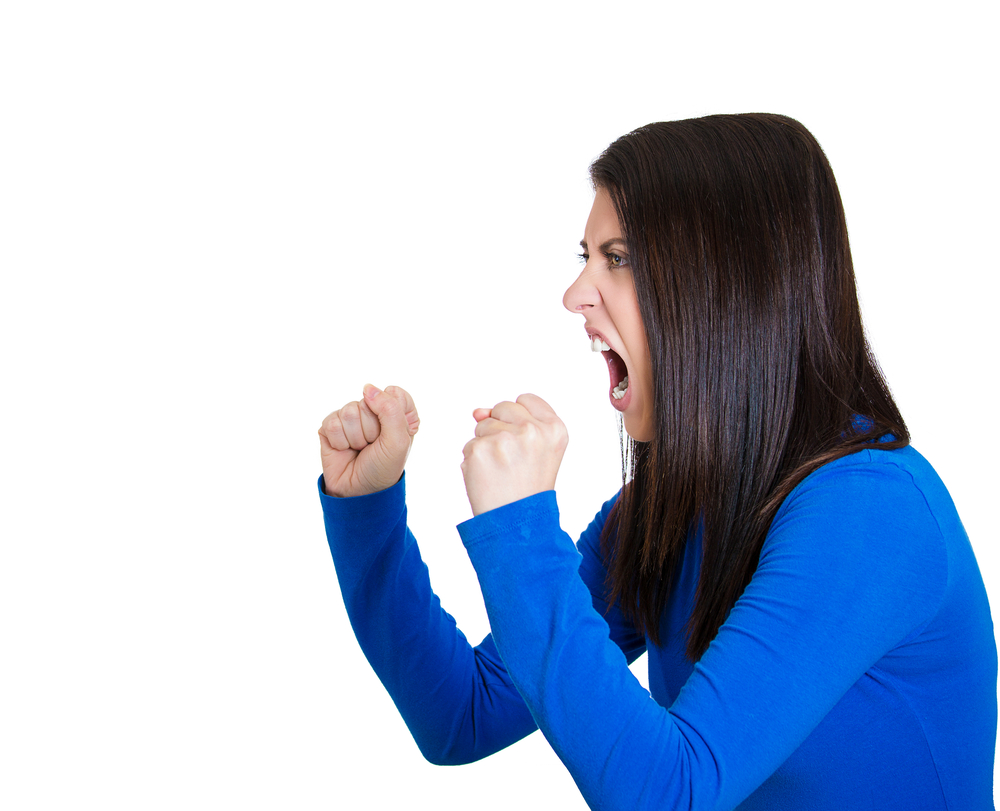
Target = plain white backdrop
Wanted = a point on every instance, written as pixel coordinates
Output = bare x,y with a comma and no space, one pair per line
218,220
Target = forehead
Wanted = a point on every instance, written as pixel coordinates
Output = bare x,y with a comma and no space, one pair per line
602,224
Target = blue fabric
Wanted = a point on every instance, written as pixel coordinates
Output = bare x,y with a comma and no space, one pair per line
857,671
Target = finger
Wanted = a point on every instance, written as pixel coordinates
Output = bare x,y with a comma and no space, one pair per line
490,426
409,408
332,432
481,414
324,443
412,422
509,412
370,426
350,419
536,406
394,431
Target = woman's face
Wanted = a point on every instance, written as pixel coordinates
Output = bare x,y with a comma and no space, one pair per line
604,295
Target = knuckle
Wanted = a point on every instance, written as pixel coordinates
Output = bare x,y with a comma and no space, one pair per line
397,394
506,444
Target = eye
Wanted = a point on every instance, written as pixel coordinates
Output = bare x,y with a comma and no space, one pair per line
583,257
616,260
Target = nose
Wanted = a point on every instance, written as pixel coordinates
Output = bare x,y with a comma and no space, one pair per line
582,294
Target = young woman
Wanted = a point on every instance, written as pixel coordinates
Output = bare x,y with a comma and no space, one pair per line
817,628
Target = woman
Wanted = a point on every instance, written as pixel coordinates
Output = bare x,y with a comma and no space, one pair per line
818,630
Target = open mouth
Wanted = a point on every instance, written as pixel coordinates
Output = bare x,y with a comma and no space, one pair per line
619,374
616,369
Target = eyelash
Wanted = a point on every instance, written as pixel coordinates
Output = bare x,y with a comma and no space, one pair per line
610,256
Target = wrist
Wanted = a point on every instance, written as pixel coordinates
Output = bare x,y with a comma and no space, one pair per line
345,494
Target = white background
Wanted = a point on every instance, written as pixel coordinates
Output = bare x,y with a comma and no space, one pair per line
218,220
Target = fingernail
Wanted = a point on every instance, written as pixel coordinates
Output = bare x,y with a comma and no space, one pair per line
371,392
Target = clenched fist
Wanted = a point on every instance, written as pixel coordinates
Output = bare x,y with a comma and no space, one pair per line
364,445
516,452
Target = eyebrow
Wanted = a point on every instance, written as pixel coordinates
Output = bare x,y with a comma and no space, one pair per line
606,244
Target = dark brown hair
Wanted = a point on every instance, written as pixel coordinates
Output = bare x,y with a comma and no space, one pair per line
761,371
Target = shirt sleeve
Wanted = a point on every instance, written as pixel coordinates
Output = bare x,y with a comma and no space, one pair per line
457,701
852,566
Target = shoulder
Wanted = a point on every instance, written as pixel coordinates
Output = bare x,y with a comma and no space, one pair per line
883,517
865,531
894,483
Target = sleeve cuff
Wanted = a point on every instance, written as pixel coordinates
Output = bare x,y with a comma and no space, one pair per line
512,522
350,508
358,527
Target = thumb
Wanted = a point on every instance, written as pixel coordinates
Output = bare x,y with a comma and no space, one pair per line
391,417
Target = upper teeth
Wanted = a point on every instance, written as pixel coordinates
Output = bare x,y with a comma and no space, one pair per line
597,345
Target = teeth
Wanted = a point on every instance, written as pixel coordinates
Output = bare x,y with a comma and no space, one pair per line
619,391
597,345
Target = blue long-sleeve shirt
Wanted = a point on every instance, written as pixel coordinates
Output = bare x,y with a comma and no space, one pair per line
858,670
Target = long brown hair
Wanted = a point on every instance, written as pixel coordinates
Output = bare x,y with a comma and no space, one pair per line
761,371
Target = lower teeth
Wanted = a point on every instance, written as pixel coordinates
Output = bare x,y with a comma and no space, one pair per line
619,391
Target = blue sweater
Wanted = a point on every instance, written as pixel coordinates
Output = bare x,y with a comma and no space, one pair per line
858,670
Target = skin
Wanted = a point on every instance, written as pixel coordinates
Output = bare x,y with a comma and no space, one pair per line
516,452
364,445
604,294
518,446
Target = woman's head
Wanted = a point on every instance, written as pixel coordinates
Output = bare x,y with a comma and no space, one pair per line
737,245
737,248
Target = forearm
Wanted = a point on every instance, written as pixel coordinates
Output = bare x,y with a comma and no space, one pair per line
457,701
623,750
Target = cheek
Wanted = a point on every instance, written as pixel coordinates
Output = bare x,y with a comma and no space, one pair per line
644,370
627,314
639,348
636,328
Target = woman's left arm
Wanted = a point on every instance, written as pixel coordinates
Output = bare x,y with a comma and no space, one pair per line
834,591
